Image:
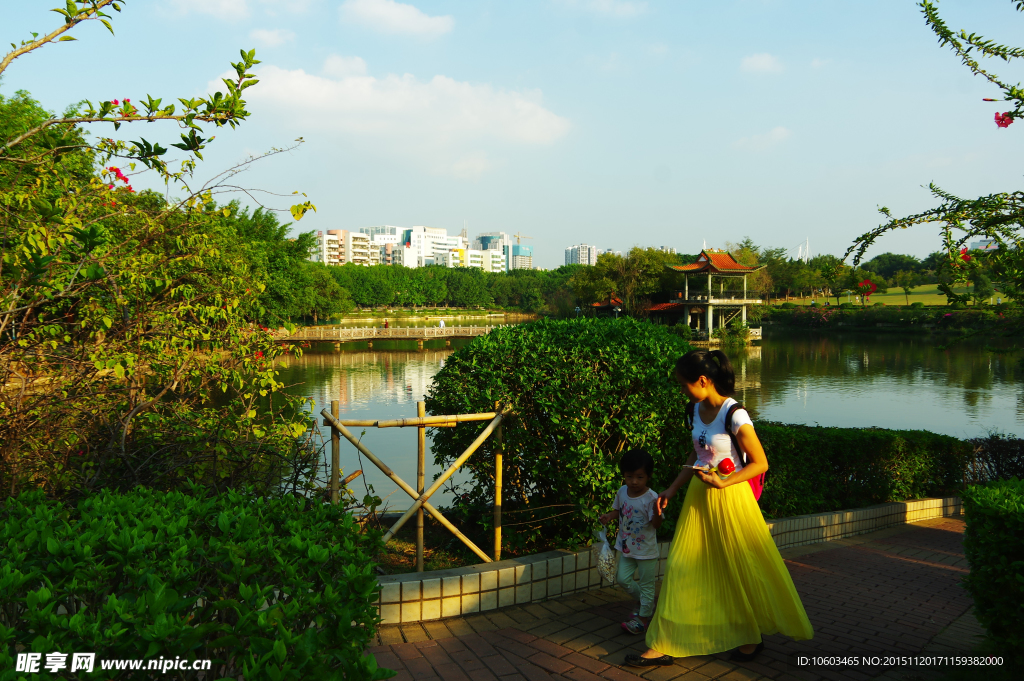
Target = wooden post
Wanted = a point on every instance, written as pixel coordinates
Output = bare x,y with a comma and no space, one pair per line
498,452
335,453
421,448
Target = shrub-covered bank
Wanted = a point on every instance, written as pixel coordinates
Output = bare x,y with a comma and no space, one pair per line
266,589
947,318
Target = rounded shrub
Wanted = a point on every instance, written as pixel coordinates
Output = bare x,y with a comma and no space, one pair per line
788,306
814,303
917,305
878,305
846,306
582,392
958,306
266,589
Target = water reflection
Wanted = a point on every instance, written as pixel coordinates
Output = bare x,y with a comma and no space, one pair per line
887,380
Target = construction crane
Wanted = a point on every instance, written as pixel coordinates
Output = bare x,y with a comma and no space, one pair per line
517,236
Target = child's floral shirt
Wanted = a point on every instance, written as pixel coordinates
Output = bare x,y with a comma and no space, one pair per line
636,538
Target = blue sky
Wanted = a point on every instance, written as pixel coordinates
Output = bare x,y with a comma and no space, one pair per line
609,122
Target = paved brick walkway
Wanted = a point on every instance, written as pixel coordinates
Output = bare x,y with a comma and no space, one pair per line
895,590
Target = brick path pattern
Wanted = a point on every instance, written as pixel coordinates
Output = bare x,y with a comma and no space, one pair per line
895,590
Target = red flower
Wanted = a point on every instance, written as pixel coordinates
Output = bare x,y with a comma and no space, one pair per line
986,99
115,102
964,256
867,287
126,101
259,355
1004,119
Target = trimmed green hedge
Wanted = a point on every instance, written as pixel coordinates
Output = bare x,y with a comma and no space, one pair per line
994,545
265,588
813,469
583,390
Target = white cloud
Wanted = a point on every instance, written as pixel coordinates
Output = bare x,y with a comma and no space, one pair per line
271,37
446,124
231,10
468,167
761,63
764,141
388,16
658,50
612,8
818,63
336,66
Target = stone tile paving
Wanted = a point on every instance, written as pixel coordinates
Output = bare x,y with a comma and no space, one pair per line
894,590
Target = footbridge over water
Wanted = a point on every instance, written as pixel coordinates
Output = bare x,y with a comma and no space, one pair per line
343,334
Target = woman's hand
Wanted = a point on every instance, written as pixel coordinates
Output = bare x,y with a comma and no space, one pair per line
711,479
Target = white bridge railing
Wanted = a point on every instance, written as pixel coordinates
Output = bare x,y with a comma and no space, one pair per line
335,334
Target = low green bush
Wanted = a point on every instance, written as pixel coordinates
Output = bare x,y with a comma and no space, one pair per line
788,306
879,305
266,589
582,392
846,306
917,305
994,546
813,469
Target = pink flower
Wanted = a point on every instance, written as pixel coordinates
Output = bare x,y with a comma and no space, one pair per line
1004,119
115,102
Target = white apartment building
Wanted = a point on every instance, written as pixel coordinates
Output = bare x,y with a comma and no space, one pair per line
491,260
581,255
340,247
420,246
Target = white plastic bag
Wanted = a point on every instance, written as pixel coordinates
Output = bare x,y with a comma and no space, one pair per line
606,559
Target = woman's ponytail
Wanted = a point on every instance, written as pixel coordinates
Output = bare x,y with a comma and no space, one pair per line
714,364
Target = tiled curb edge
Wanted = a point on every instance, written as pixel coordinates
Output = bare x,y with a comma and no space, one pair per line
417,597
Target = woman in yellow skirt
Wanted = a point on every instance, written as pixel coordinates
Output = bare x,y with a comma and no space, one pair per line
726,584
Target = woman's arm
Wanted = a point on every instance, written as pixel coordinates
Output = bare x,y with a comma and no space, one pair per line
755,452
684,477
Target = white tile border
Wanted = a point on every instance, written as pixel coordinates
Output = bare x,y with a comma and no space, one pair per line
416,597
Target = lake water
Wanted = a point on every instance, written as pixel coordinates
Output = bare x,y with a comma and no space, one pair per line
848,380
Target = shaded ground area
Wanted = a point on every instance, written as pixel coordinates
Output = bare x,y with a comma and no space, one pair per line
892,591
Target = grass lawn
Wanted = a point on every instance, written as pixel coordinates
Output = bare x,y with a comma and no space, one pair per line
928,294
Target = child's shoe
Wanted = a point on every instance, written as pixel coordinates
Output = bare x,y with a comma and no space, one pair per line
634,626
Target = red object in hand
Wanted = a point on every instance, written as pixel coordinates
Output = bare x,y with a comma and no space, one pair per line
727,467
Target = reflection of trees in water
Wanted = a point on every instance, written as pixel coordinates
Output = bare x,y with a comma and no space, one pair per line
359,378
789,362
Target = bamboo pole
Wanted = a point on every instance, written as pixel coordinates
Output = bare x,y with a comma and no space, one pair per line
351,477
481,438
498,451
421,447
402,485
335,454
432,421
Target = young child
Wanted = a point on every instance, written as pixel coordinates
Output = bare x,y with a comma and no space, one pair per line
639,518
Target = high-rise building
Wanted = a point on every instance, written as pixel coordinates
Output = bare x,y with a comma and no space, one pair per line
618,253
501,241
522,257
581,255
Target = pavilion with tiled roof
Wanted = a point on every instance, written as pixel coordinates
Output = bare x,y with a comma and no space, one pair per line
720,264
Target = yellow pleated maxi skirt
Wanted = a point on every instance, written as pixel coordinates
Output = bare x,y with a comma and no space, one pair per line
726,584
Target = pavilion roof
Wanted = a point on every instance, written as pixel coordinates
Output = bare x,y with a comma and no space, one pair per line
714,261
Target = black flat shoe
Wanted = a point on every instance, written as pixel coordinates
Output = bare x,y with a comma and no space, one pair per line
737,656
637,661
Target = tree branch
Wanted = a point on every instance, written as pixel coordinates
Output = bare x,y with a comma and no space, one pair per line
84,15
